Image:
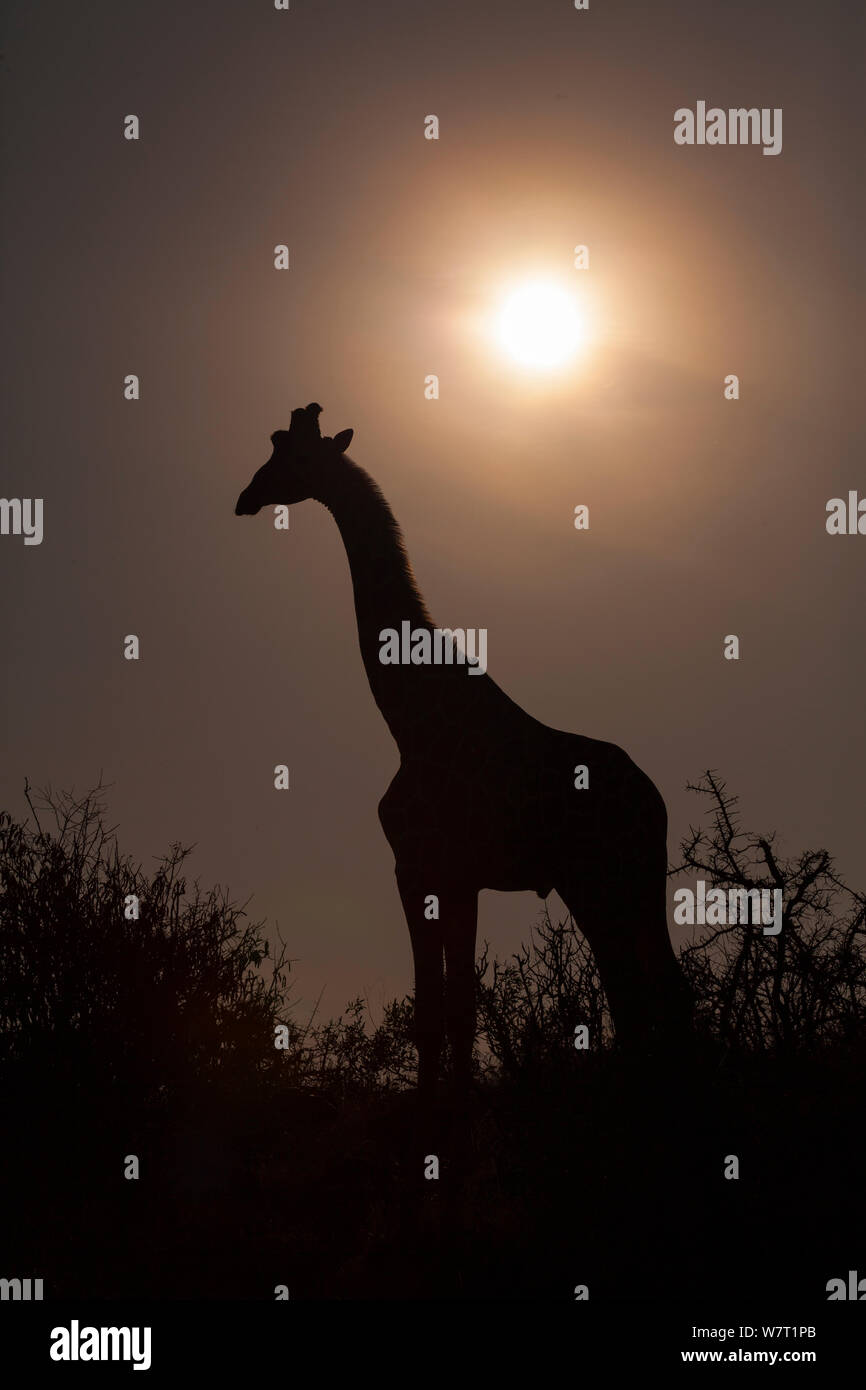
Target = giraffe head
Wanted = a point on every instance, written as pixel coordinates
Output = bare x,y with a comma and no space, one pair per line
293,471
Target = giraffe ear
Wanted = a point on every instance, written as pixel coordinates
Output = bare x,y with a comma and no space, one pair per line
343,440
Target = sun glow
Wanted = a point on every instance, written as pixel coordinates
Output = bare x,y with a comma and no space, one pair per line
540,325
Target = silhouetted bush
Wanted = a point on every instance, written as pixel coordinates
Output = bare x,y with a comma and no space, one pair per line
530,1005
89,992
800,989
345,1054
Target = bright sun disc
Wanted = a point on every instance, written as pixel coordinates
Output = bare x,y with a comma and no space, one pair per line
539,325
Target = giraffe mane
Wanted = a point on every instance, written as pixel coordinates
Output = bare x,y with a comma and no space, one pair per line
392,526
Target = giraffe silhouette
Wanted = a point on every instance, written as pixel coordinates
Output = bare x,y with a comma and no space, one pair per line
485,795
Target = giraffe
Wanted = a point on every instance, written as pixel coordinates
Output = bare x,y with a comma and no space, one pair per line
485,795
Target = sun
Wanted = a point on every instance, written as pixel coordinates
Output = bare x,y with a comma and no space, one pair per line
540,325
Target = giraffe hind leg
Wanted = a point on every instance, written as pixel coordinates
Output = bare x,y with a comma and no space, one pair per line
627,931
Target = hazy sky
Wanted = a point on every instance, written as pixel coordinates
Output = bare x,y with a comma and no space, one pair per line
707,516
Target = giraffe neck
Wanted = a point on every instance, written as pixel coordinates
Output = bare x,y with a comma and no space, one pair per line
386,594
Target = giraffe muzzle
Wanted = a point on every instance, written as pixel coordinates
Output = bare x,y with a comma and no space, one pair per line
245,505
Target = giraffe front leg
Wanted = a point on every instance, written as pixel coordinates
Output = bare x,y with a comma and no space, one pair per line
459,927
426,935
